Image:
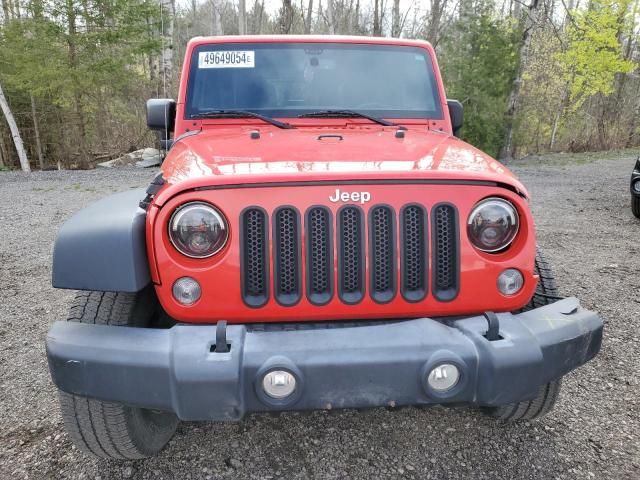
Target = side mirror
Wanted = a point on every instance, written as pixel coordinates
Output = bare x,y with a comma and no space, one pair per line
456,112
161,114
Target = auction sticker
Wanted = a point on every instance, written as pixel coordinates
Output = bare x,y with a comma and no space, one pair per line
227,59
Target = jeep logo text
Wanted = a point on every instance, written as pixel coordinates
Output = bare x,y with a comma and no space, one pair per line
362,197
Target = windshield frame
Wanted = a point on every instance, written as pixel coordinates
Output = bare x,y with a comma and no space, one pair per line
190,113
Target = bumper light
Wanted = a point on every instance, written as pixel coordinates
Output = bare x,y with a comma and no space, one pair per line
510,281
279,384
186,291
443,377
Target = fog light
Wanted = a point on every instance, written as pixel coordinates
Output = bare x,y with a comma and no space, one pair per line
443,377
510,281
186,291
636,186
279,384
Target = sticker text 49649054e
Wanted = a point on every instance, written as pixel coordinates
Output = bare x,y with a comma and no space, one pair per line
227,59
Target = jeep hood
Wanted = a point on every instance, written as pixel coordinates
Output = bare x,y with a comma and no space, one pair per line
230,156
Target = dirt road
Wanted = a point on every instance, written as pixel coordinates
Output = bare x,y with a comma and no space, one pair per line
586,229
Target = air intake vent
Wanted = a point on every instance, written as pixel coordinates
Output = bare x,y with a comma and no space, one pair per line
414,266
382,256
286,254
319,255
254,257
351,254
445,252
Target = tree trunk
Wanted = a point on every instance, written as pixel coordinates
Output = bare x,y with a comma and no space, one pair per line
37,132
73,67
242,17
168,11
377,28
216,24
6,9
395,19
286,17
634,120
15,133
465,9
330,19
356,18
530,22
259,31
2,154
309,18
433,30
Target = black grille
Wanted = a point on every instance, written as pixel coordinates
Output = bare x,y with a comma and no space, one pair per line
382,258
286,255
254,257
445,252
414,266
352,230
319,255
351,254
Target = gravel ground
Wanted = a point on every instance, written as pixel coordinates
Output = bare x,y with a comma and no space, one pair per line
588,232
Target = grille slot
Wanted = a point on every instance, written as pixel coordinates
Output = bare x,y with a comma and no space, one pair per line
414,259
351,254
286,255
319,236
445,252
382,254
254,257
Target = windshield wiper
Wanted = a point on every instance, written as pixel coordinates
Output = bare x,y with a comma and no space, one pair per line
350,113
241,114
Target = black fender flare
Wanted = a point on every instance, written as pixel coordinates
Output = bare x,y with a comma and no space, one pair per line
103,247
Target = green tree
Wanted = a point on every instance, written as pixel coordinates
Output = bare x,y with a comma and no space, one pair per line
594,54
478,60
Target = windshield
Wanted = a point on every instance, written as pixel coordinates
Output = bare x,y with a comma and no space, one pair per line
291,79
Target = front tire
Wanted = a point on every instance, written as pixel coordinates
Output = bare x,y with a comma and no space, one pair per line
545,400
635,205
106,429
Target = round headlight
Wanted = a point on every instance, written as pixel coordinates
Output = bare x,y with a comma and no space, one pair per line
636,186
493,224
198,230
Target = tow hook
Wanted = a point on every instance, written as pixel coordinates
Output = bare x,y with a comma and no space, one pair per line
221,345
493,330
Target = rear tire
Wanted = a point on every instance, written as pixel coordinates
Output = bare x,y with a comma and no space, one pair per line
635,205
545,400
107,429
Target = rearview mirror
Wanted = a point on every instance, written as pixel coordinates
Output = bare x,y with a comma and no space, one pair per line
161,114
456,112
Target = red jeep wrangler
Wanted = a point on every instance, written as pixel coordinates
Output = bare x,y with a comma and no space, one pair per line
318,238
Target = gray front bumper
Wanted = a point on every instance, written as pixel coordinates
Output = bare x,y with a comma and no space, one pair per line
336,365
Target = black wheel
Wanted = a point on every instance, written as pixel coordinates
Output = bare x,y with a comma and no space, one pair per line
635,206
543,403
106,429
546,291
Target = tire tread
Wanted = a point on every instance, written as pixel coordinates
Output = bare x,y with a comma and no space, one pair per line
107,429
635,205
